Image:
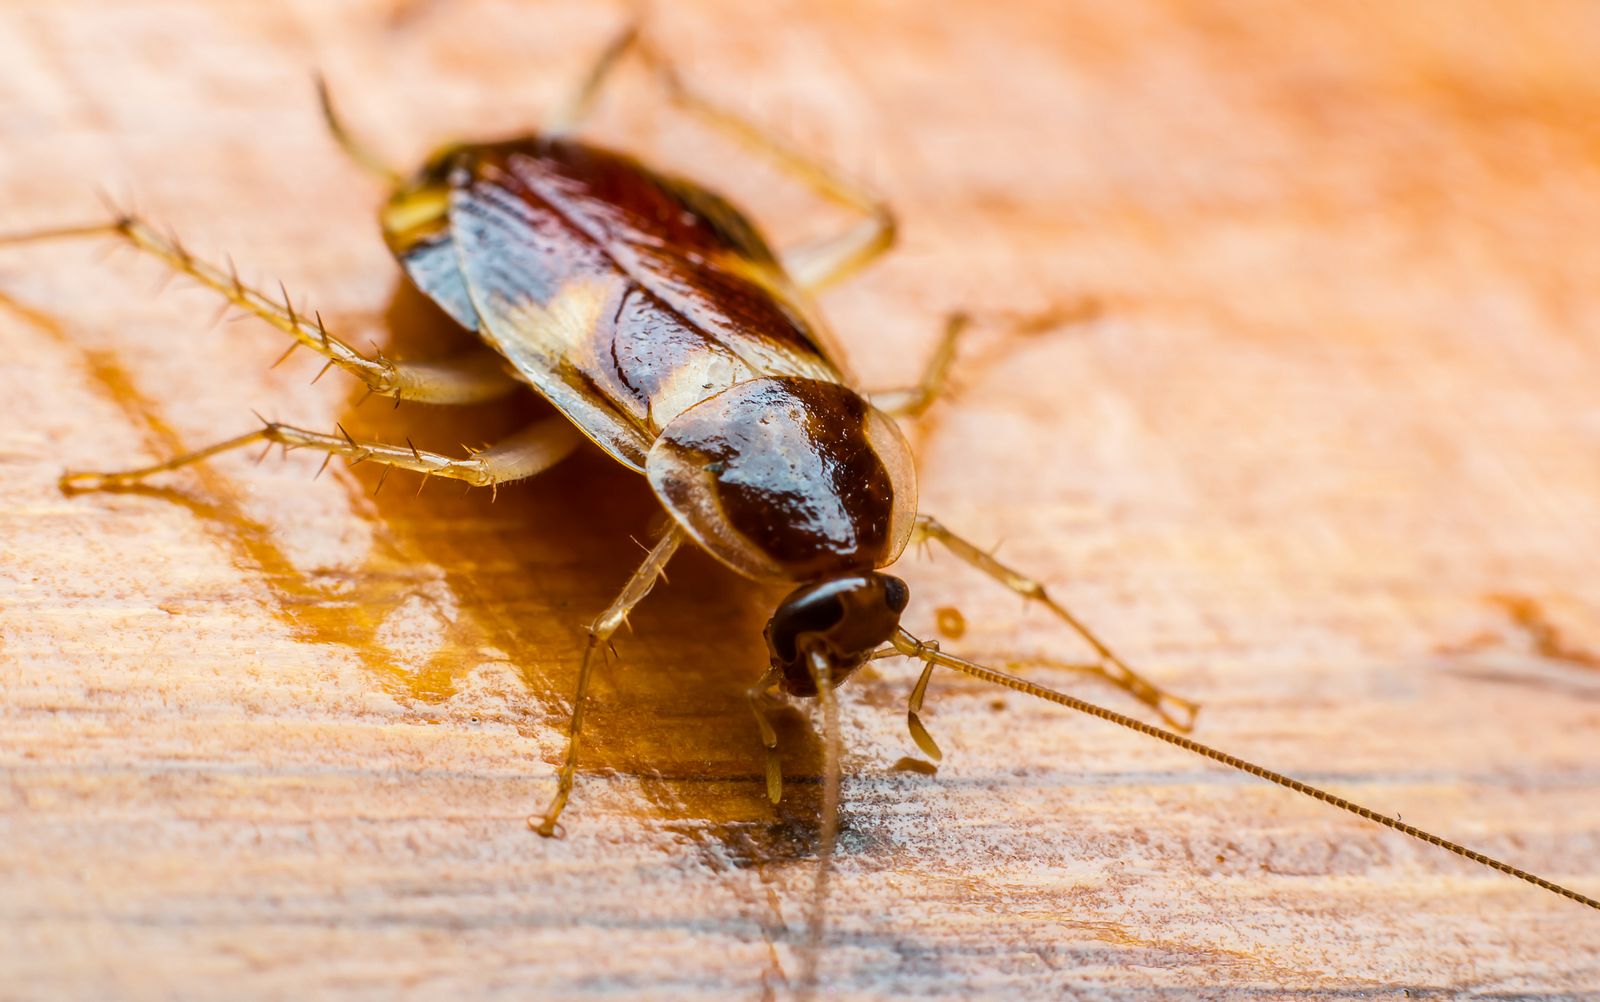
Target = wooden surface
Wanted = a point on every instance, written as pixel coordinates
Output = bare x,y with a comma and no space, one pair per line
1328,460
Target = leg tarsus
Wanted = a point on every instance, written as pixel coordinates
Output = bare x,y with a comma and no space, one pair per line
823,262
73,482
814,265
547,823
913,401
581,102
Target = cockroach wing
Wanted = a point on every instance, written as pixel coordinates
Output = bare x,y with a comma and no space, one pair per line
622,296
540,317
688,247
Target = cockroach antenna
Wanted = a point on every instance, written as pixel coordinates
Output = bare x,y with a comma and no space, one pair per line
905,644
359,152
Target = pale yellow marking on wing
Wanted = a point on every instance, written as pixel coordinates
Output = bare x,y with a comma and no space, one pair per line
703,374
562,328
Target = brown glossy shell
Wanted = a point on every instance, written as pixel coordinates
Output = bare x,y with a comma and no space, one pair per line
622,295
652,313
788,479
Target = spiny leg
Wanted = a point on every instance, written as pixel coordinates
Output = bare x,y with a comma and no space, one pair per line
530,451
600,633
473,376
1111,667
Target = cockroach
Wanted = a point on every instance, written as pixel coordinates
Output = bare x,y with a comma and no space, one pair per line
667,331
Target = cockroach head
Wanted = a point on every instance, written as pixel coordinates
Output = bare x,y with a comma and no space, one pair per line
844,618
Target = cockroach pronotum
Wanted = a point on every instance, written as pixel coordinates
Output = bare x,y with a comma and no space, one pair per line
666,330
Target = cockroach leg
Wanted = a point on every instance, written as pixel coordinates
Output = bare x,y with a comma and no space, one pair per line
530,451
759,694
919,733
814,265
913,401
600,633
930,654
475,375
828,836
1111,667
575,110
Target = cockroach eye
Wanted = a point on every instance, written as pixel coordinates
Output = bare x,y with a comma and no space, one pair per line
846,618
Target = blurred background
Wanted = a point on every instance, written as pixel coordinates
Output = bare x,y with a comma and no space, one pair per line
1322,452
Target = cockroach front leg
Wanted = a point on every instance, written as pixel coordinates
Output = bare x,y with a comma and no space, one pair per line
1176,711
919,693
473,376
759,694
524,454
600,633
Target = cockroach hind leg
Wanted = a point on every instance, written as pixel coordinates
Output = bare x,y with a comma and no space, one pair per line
814,265
600,633
475,376
76,481
930,654
1176,711
522,455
